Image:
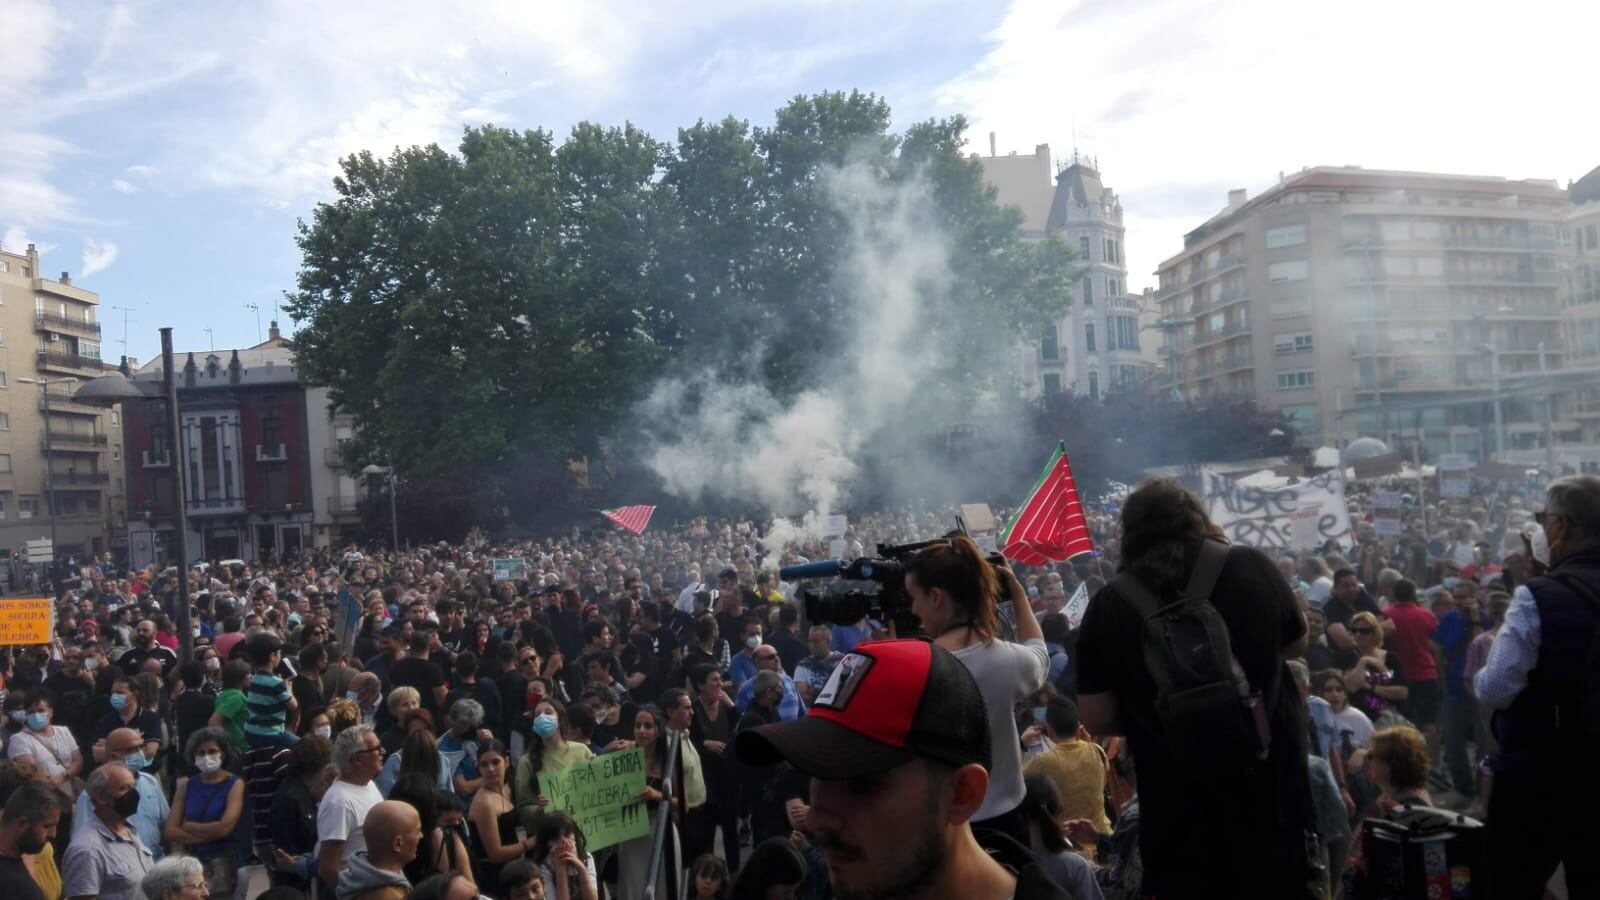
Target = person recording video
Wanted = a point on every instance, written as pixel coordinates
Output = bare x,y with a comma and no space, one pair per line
954,591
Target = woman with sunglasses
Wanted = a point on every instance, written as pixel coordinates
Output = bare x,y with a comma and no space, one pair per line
1373,683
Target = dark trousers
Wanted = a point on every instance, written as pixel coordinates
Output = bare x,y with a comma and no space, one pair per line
1460,718
1535,827
699,833
724,812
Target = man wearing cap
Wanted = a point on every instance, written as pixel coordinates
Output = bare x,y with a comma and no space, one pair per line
897,748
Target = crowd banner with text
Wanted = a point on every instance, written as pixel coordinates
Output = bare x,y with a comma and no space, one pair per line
1304,515
1455,475
602,796
26,621
511,569
1386,513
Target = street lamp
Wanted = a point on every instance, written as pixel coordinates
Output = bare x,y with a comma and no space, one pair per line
389,482
49,468
113,388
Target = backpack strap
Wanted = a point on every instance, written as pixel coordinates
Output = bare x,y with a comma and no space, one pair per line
1207,569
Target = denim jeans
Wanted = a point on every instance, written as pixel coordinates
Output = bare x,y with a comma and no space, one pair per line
1460,721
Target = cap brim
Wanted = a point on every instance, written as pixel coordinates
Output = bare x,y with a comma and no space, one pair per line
819,748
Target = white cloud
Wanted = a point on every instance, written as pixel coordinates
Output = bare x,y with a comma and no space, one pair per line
1172,95
98,256
17,239
123,186
140,171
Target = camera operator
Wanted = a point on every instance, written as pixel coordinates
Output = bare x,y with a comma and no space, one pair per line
954,592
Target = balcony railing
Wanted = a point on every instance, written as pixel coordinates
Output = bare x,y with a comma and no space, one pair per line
1508,242
214,505
1229,262
344,506
73,362
71,478
1168,290
56,322
1234,363
54,439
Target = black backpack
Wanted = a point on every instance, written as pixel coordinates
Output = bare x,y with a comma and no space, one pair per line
1214,721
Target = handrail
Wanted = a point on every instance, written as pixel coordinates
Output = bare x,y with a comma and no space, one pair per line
658,837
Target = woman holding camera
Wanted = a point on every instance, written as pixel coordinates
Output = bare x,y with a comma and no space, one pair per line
954,591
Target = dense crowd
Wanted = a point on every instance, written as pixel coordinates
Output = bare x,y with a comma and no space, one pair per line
403,753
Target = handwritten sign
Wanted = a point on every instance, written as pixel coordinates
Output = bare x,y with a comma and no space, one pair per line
1386,513
1455,475
602,795
1299,516
26,620
510,569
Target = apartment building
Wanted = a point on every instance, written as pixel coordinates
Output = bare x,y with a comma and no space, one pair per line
60,462
1581,303
1094,347
1375,303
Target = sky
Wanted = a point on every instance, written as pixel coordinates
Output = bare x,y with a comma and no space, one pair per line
163,152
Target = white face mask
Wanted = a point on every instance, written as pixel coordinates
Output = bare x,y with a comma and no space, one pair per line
208,762
753,641
1541,546
323,731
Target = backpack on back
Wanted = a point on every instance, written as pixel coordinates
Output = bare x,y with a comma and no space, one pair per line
1214,721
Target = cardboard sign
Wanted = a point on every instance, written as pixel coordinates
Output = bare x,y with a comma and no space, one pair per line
26,621
1376,466
979,517
1386,513
1455,475
602,796
835,526
1301,516
510,569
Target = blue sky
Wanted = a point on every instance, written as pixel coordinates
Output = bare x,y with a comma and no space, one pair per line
161,152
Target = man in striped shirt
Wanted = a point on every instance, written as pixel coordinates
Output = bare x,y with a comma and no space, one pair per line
269,704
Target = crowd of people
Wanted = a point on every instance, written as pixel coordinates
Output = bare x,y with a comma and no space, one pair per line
406,751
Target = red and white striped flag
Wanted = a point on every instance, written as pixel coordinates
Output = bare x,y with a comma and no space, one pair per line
633,518
1050,526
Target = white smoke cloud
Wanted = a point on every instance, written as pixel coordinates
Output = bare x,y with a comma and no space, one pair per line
740,442
97,257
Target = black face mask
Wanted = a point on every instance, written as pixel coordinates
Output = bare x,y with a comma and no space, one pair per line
128,804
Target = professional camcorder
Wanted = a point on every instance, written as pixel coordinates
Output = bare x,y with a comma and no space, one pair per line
889,603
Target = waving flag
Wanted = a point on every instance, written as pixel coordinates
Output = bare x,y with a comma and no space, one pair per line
1050,526
633,518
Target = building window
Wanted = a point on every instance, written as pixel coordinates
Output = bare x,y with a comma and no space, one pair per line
2,380
1094,385
5,504
1303,416
5,462
1124,334
27,507
116,453
1083,247
1291,343
1286,236
5,421
1088,291
115,420
1288,270
1088,337
1112,288
91,502
1296,380
1049,345
1111,251
1052,384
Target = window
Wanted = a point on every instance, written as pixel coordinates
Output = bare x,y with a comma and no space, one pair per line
1088,290
1083,248
1111,250
1088,337
5,504
116,453
1291,343
27,507
4,266
1215,323
1052,384
1124,334
1296,380
1432,266
1112,288
91,502
5,462
1049,345
1286,236
5,421
1288,270
90,349
1303,416
3,380
115,420
1094,385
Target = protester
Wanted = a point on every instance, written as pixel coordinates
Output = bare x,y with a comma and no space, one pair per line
358,757
308,776
550,752
125,749
107,858
1044,812
207,807
633,857
32,813
566,868
376,870
175,878
493,819
1076,767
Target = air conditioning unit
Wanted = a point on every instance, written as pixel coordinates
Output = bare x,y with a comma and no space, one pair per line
54,338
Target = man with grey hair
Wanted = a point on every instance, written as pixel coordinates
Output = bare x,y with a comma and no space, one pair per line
458,748
1541,678
174,878
107,860
358,756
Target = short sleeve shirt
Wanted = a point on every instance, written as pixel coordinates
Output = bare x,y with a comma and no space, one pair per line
105,865
1412,641
267,704
342,812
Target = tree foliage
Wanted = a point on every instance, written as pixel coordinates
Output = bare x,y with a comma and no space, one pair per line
519,296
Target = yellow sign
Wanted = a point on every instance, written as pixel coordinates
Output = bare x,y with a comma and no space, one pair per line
26,620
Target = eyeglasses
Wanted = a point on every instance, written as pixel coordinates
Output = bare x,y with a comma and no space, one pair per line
200,886
367,750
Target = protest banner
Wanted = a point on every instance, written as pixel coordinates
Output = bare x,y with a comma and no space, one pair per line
26,620
1299,516
1376,466
602,796
349,618
1077,605
1386,513
1455,475
511,569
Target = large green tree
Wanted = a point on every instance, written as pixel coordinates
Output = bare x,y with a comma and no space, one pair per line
517,297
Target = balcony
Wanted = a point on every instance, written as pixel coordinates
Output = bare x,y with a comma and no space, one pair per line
44,321
68,479
155,461
344,506
272,452
1232,295
1235,363
1231,261
214,506
1541,278
68,363
1507,242
67,440
61,404
1363,242
1168,290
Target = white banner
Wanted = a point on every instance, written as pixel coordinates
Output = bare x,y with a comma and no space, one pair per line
1300,516
1077,605
1386,513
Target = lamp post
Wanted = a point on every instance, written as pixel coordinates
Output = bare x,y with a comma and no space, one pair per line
389,482
113,388
49,469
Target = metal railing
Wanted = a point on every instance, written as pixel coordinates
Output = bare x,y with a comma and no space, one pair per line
61,478
663,825
56,322
344,506
74,361
72,439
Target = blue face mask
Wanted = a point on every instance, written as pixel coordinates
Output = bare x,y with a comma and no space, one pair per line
119,702
1450,582
1038,715
135,761
544,725
353,697
38,721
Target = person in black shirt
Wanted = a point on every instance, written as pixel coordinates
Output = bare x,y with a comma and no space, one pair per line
192,708
417,671
31,815
72,686
307,686
786,640
145,647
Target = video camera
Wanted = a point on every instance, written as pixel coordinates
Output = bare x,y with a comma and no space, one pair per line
889,603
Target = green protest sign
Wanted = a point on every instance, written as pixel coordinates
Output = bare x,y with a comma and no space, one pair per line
602,797
512,569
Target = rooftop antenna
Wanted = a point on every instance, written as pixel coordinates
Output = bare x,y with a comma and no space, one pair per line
257,308
211,337
125,310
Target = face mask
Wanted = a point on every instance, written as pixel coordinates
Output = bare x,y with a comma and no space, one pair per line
38,721
545,725
213,664
1450,582
1038,715
1033,592
128,804
753,641
353,697
135,761
19,716
208,762
119,702
91,664
323,731
1541,546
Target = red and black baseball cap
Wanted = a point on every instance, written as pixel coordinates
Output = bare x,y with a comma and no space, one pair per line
887,703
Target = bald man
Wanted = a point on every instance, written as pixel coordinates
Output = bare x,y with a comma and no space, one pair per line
393,830
121,744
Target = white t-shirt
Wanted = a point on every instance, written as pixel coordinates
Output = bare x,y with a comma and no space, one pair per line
1005,673
342,813
1359,726
51,754
1317,591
